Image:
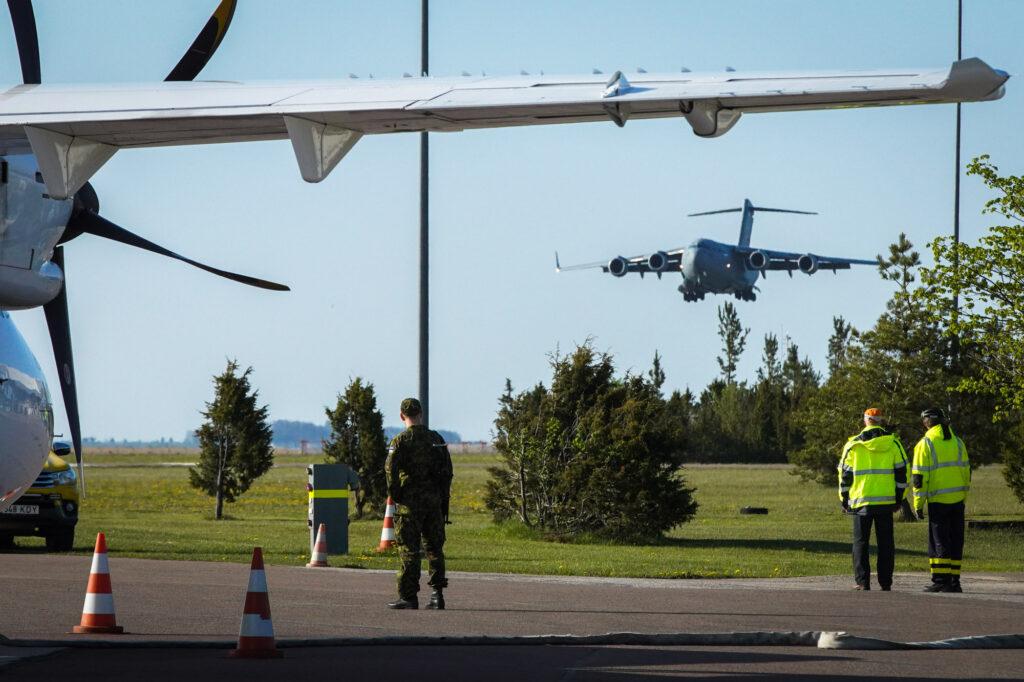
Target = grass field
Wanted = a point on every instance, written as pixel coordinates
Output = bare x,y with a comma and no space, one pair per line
148,510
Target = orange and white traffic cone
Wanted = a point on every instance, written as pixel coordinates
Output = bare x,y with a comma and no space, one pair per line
387,532
98,613
256,636
319,558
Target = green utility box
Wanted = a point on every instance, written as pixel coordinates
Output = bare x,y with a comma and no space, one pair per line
329,487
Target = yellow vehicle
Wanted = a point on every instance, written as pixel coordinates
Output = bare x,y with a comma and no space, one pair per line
48,509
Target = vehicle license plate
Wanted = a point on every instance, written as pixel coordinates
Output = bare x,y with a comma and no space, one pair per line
23,509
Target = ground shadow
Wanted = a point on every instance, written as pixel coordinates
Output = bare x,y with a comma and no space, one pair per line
492,663
777,544
629,612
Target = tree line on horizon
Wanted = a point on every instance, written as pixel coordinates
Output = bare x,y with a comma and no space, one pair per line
286,434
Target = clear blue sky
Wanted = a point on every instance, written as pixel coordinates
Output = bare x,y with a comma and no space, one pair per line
149,333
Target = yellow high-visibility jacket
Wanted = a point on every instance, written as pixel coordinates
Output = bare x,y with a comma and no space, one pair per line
941,471
873,469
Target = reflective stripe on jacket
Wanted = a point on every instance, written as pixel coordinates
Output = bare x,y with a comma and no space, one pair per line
941,471
872,469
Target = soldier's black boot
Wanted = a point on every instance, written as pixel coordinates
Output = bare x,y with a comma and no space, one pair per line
404,604
939,587
436,601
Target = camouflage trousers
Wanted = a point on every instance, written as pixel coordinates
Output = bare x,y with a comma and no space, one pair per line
410,526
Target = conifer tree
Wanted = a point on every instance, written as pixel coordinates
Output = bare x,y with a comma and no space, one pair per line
770,404
838,343
357,440
234,440
734,340
657,374
594,453
771,369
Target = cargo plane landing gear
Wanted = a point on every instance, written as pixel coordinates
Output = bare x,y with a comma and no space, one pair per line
747,295
689,295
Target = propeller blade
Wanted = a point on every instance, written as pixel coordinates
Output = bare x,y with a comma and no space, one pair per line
724,210
59,324
87,222
783,210
24,20
205,44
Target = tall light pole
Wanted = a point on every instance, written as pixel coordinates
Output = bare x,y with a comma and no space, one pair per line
956,182
424,389
959,56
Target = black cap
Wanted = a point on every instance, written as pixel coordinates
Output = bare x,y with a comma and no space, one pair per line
935,414
411,407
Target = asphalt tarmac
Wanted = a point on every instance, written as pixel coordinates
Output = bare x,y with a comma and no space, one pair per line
169,601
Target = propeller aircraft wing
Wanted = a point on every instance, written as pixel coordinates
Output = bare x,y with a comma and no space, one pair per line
324,120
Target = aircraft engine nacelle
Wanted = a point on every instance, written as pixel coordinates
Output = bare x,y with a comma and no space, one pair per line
657,261
808,263
758,260
618,266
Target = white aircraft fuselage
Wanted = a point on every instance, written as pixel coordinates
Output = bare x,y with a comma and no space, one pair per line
26,414
30,225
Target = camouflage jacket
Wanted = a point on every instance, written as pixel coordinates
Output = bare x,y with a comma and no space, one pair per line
419,468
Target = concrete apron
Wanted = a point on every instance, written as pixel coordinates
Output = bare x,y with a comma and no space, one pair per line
200,604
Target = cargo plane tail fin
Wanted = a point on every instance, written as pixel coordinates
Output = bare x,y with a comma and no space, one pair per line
747,223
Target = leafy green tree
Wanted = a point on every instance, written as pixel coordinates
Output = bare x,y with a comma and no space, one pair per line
357,440
234,440
734,341
987,280
901,365
594,453
1013,465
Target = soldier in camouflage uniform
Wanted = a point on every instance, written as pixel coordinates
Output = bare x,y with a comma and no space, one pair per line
419,473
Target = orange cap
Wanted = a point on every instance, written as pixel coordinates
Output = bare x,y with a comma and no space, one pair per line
873,412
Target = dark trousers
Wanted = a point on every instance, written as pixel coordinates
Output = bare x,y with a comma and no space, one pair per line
427,524
945,541
886,561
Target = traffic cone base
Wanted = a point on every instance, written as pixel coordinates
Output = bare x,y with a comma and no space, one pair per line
387,532
256,635
257,652
98,612
319,558
97,630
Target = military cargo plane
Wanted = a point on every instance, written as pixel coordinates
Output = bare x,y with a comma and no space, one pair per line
710,267
54,137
